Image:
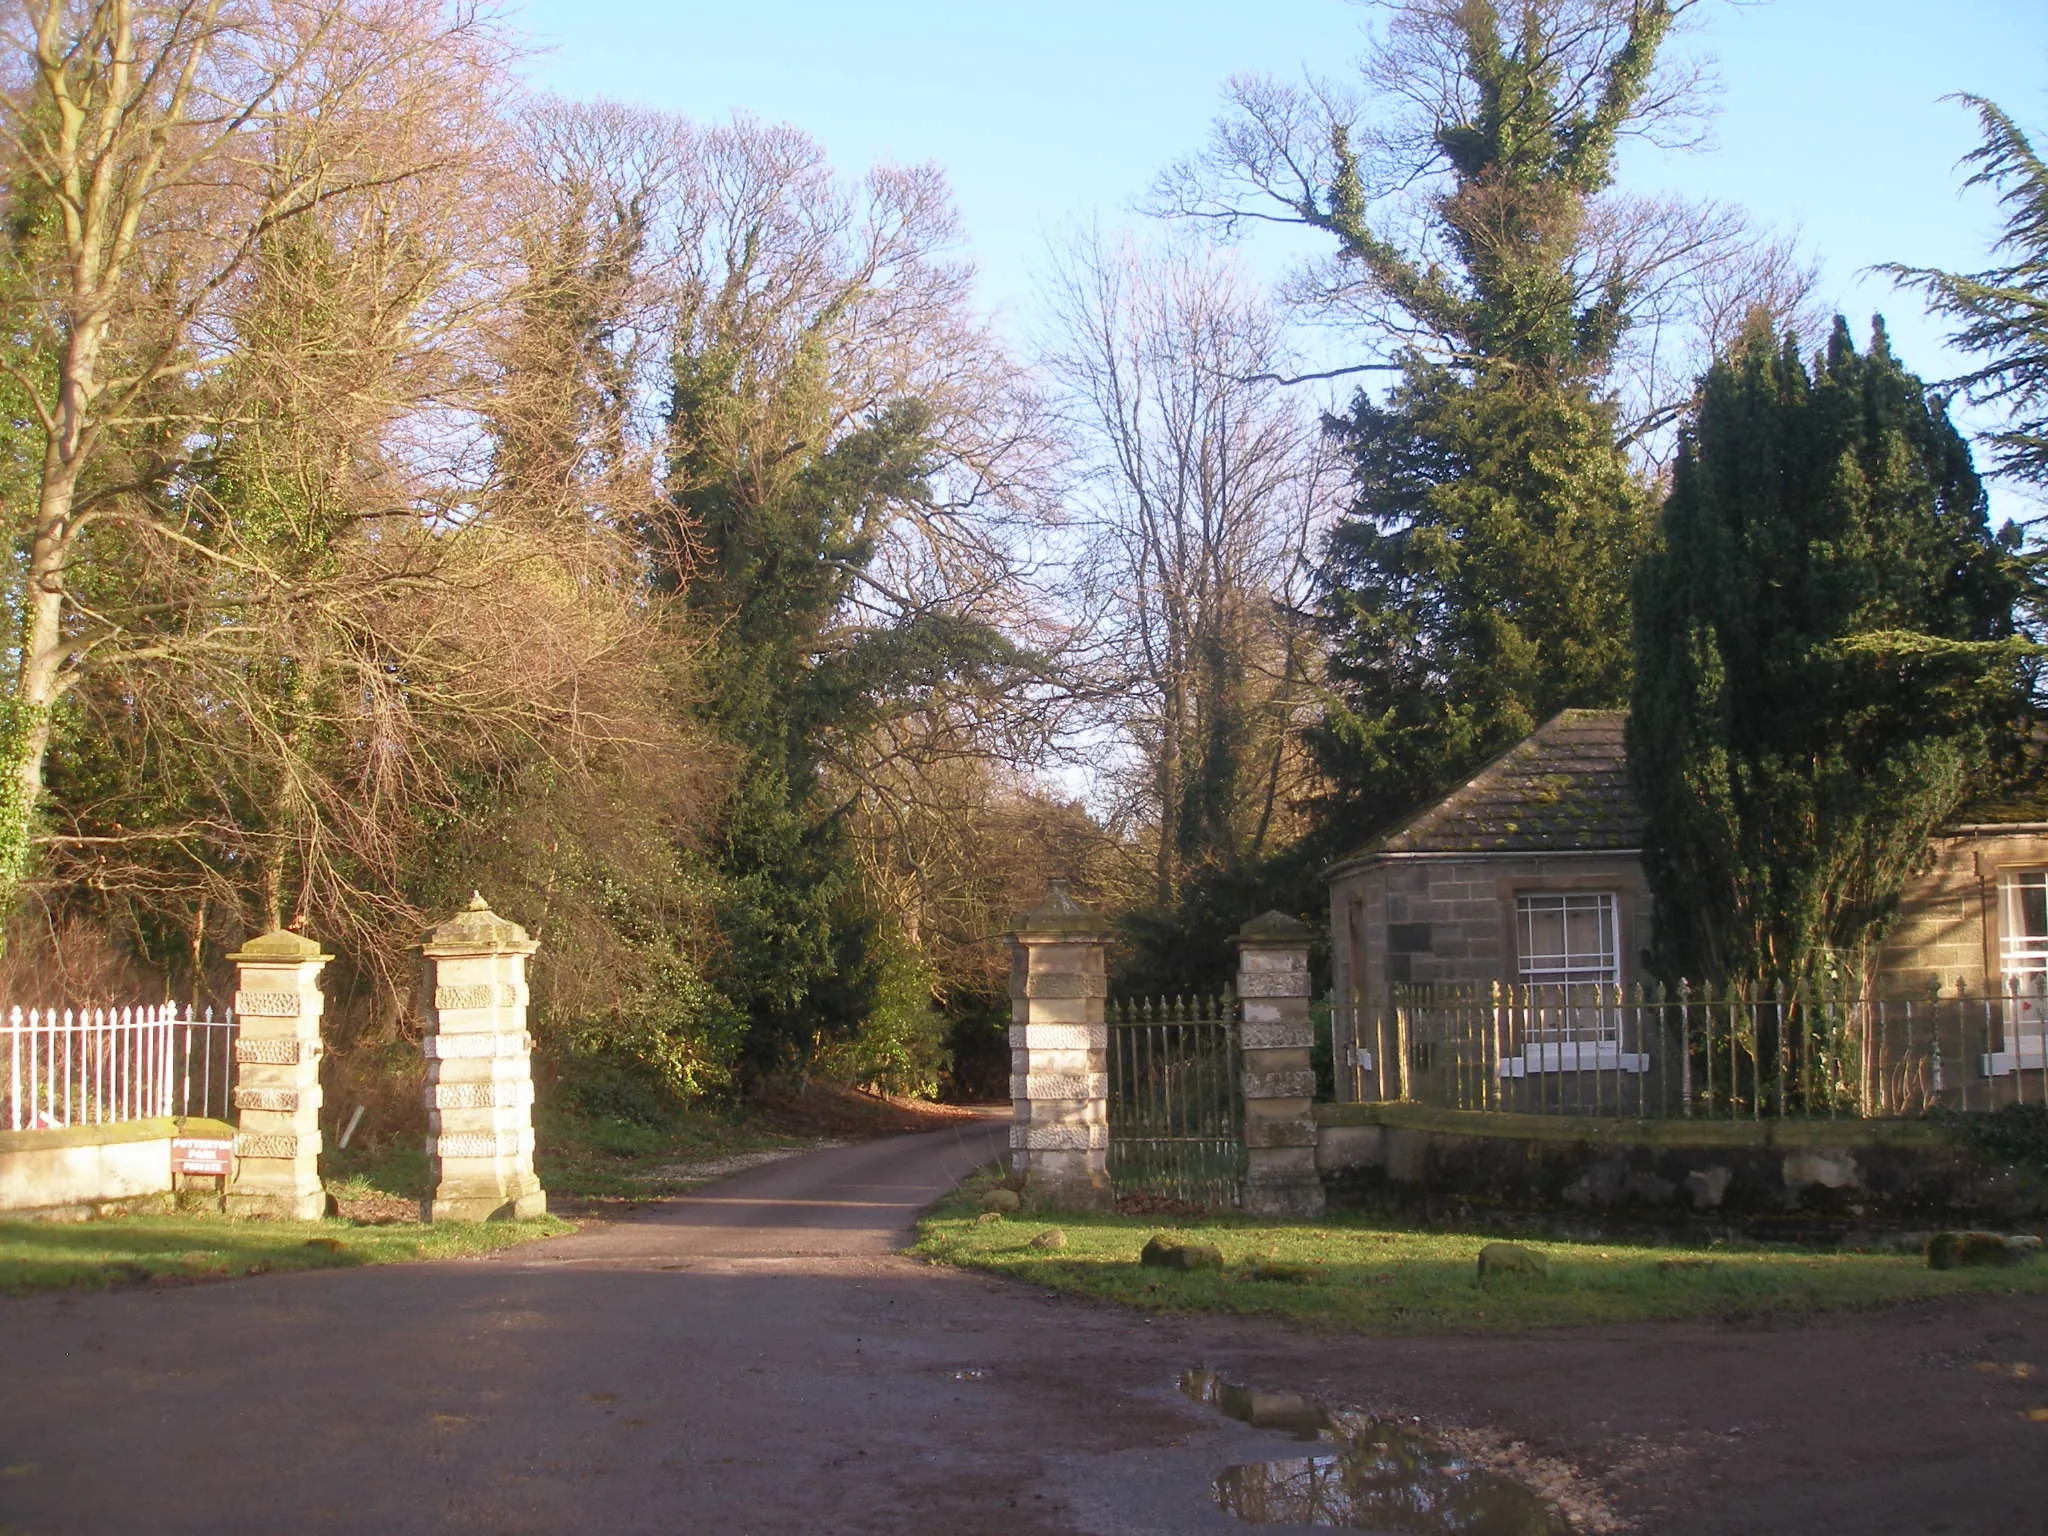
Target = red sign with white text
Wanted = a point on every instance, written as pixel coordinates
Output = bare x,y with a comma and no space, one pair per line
200,1154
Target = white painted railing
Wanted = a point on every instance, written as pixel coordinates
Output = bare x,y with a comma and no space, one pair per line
98,1066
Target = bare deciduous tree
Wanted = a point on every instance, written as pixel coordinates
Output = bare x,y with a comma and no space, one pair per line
155,152
1205,484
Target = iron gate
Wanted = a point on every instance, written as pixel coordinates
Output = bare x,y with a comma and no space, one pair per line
1176,1119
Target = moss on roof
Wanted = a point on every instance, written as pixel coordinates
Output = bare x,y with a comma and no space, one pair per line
1563,788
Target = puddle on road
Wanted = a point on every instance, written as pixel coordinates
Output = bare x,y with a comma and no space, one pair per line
1373,1474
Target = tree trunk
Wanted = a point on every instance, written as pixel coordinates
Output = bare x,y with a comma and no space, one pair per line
25,733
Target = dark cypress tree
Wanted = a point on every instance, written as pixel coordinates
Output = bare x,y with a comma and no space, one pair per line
2003,311
1479,585
1826,660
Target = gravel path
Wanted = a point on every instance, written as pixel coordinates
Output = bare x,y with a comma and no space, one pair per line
754,1357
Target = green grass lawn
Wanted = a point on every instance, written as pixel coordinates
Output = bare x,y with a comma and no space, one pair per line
590,1158
1364,1276
128,1250
579,1158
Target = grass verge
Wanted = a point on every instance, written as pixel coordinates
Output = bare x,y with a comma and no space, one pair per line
1358,1275
624,1161
131,1250
582,1160
591,1162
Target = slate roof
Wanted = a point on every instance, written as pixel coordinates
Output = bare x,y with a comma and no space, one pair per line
1564,788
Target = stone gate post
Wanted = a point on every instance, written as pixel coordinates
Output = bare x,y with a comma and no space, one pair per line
1279,1080
277,1085
479,1069
1059,1053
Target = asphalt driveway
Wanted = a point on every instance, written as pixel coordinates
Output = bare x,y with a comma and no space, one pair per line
756,1358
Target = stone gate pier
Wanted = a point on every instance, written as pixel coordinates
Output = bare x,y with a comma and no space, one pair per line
1279,1078
277,1087
479,1069
1059,1053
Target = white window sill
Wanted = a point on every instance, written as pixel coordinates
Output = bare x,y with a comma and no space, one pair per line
2028,1053
1573,1056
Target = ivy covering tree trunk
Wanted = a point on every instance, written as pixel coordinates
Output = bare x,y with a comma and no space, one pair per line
1480,582
1826,661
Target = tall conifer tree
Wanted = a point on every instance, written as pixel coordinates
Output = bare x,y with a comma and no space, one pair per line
1480,582
1826,655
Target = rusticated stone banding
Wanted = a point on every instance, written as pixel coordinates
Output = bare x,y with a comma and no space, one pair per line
274,1053
1060,1138
477,1144
1062,1037
1292,1035
274,1146
282,1101
270,1005
512,1095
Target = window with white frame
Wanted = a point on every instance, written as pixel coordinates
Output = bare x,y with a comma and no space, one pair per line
1566,939
2023,969
1568,995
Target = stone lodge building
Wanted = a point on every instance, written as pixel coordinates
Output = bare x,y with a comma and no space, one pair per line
1530,874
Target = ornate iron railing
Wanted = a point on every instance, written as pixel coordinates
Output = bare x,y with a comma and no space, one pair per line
1697,1052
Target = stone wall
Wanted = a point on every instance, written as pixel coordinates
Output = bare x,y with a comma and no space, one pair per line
1450,919
1947,929
1756,1176
78,1171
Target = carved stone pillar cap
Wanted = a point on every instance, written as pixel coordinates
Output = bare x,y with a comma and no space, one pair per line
1060,916
478,930
279,947
1274,928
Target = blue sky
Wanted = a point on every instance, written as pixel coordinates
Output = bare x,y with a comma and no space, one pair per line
1830,115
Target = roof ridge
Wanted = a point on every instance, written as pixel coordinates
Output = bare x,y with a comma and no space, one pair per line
1562,786
1439,810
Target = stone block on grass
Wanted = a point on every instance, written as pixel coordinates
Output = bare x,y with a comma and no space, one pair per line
1051,1237
1512,1259
1170,1253
1283,1272
1973,1250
